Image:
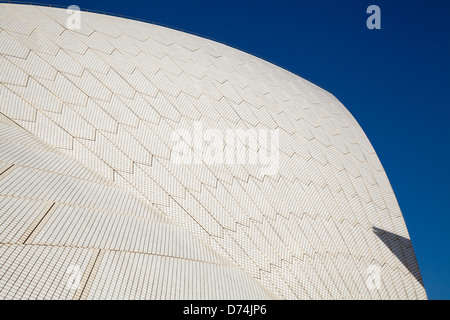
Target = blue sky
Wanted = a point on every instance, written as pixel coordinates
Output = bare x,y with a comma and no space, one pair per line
395,81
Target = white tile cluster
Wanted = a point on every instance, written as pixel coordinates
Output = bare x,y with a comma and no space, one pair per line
87,176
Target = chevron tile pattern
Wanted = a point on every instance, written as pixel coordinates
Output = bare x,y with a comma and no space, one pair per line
88,177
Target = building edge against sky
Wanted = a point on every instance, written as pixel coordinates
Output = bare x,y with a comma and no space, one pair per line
93,204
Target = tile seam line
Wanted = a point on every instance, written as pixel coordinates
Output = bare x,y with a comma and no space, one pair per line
7,169
40,220
112,250
90,273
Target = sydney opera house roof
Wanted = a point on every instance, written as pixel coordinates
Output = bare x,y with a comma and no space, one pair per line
141,162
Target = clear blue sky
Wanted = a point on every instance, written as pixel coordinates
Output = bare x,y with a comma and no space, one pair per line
395,81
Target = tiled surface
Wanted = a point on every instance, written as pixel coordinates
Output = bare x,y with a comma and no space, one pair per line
56,213
101,104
